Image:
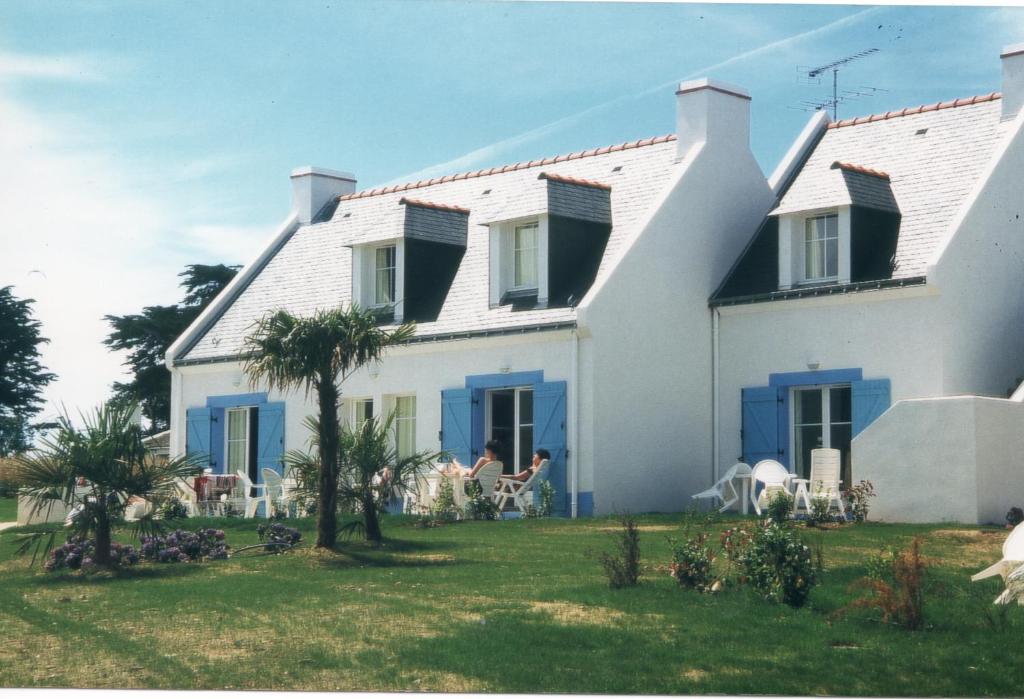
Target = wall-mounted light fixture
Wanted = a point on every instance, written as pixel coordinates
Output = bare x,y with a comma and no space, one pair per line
813,365
504,368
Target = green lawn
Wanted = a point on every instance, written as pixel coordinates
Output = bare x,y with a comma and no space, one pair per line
516,606
8,509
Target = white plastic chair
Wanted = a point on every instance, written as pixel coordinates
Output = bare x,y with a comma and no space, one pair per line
488,476
276,492
521,492
186,494
826,466
775,479
725,489
244,498
1013,557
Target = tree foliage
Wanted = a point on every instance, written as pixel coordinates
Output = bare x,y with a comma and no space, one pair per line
22,376
147,335
317,353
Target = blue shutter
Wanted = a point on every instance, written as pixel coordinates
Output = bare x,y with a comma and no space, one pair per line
270,433
197,432
456,423
549,433
869,400
761,411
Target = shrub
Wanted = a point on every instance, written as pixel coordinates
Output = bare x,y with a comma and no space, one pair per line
479,506
278,537
895,583
546,502
1015,516
623,565
79,554
778,564
858,496
780,506
173,508
182,546
692,561
819,512
734,542
443,507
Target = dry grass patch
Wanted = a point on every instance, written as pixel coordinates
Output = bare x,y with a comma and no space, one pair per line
568,613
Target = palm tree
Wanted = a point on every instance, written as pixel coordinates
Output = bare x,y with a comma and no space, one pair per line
318,353
96,469
371,471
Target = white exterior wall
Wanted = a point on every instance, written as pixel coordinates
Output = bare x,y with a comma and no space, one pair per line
951,459
648,370
422,370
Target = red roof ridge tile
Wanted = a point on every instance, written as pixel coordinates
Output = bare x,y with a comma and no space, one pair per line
850,167
509,168
572,180
431,205
961,102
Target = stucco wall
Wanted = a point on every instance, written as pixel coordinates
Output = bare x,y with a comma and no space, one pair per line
650,365
890,334
954,459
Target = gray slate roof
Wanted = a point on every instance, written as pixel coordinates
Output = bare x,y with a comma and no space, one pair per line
313,269
931,174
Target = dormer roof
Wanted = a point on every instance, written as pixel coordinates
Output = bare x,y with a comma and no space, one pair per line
843,184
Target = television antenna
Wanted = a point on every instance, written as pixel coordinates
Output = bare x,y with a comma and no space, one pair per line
812,76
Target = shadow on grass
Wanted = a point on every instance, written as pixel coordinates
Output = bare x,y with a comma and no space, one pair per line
349,558
144,571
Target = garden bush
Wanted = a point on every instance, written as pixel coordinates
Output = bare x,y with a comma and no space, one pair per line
546,499
780,506
278,537
173,508
443,507
858,496
182,546
479,506
895,584
79,554
691,562
778,565
819,512
623,565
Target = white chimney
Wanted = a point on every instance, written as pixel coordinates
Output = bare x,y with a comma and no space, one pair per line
314,187
1013,79
713,112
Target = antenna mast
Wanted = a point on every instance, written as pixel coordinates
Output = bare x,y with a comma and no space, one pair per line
813,77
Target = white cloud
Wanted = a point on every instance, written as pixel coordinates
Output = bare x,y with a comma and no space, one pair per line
60,67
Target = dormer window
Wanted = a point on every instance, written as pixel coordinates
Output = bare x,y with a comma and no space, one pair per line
524,257
821,248
384,276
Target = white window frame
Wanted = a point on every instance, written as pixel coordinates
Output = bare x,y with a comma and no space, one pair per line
823,242
826,417
516,446
399,420
501,258
792,247
364,278
357,423
247,410
377,269
517,249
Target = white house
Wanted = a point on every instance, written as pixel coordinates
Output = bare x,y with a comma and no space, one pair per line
560,303
889,269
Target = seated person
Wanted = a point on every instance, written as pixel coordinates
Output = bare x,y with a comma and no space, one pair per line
490,456
538,456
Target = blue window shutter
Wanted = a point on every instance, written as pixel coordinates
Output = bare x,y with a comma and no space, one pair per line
197,432
549,433
270,432
870,399
456,423
761,411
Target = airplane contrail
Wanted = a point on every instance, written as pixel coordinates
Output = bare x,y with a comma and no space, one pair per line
474,158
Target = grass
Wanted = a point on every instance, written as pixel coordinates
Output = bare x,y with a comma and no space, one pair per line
8,509
517,606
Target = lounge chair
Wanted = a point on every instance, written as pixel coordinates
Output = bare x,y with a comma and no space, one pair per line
774,478
521,492
487,477
1010,568
277,493
245,499
826,465
186,495
725,489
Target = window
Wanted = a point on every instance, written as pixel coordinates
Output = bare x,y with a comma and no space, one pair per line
405,426
524,257
821,248
822,419
238,440
363,412
384,276
510,423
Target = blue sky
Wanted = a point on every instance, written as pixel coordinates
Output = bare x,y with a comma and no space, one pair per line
139,137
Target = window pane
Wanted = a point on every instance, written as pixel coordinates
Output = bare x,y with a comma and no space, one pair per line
236,424
525,446
839,404
807,438
831,257
832,226
814,260
808,407
526,407
405,406
840,436
384,290
524,256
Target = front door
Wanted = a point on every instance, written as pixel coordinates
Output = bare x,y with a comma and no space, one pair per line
821,418
510,423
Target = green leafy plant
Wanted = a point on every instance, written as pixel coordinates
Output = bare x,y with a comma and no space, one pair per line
622,566
778,565
691,562
173,508
780,506
545,499
859,497
443,508
820,511
478,505
895,586
734,543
